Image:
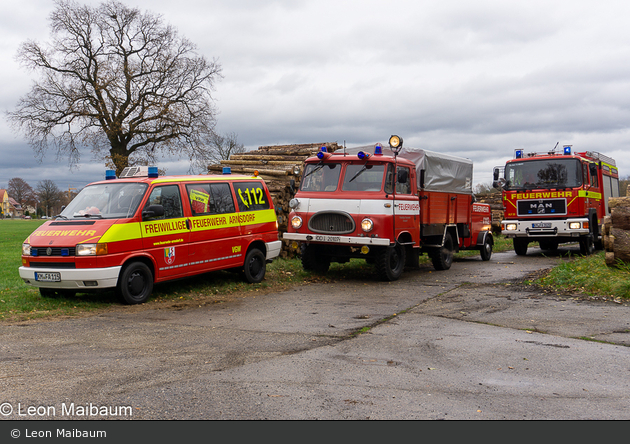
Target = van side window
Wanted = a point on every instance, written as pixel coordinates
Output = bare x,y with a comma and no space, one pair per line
251,196
167,196
215,198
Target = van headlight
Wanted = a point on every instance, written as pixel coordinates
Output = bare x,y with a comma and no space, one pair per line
91,249
26,249
367,225
296,222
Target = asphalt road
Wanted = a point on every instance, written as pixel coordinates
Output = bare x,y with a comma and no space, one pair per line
470,343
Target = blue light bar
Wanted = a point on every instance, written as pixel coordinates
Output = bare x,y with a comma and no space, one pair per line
567,149
110,174
227,170
153,172
518,154
378,149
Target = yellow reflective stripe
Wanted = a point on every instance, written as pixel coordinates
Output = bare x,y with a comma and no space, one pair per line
211,222
590,194
202,223
163,227
122,232
258,217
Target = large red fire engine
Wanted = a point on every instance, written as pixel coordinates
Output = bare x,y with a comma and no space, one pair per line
387,209
556,197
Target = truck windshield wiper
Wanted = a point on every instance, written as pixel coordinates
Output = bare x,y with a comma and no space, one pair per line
318,167
359,172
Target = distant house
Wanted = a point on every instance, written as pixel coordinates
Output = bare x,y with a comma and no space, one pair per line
18,211
5,205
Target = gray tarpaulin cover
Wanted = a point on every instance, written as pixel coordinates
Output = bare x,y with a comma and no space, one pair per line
443,172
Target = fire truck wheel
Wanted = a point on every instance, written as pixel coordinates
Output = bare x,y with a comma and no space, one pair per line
390,263
486,249
255,266
135,283
313,260
442,258
587,246
520,246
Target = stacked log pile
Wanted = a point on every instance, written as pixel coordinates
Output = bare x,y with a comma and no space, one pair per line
617,230
280,166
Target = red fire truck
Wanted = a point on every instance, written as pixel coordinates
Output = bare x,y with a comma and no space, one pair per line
556,197
387,209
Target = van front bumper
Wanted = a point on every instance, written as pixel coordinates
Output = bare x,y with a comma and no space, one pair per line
72,279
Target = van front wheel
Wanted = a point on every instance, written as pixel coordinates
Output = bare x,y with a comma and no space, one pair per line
255,266
135,283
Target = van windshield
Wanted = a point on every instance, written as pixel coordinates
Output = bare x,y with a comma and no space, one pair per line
106,201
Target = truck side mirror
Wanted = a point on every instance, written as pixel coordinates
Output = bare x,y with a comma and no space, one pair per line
495,174
152,211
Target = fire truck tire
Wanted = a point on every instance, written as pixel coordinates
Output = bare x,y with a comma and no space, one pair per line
442,258
390,263
520,246
313,260
135,283
587,245
486,249
255,266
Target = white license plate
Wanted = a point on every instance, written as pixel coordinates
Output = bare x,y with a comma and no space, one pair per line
48,277
542,225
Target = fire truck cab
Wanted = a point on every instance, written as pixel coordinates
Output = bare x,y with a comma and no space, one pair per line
387,209
556,197
130,232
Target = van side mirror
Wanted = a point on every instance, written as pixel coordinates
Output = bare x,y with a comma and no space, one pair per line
152,211
495,174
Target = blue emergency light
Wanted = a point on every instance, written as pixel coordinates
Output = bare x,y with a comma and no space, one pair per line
227,170
567,149
153,172
378,149
322,150
110,174
518,154
363,156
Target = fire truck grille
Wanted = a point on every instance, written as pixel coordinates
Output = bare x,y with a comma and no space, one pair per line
56,251
331,223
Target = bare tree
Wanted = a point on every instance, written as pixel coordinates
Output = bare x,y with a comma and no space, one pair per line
120,82
50,196
22,192
223,146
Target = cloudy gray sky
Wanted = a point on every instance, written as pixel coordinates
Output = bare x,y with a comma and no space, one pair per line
477,78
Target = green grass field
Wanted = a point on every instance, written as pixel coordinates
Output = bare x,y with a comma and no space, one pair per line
20,302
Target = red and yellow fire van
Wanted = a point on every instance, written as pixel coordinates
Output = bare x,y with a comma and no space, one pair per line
130,232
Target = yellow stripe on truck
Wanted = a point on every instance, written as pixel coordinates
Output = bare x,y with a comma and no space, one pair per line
122,232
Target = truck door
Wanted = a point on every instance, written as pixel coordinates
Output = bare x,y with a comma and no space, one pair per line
166,237
407,206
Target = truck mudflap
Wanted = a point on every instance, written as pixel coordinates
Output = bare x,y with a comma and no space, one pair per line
333,239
